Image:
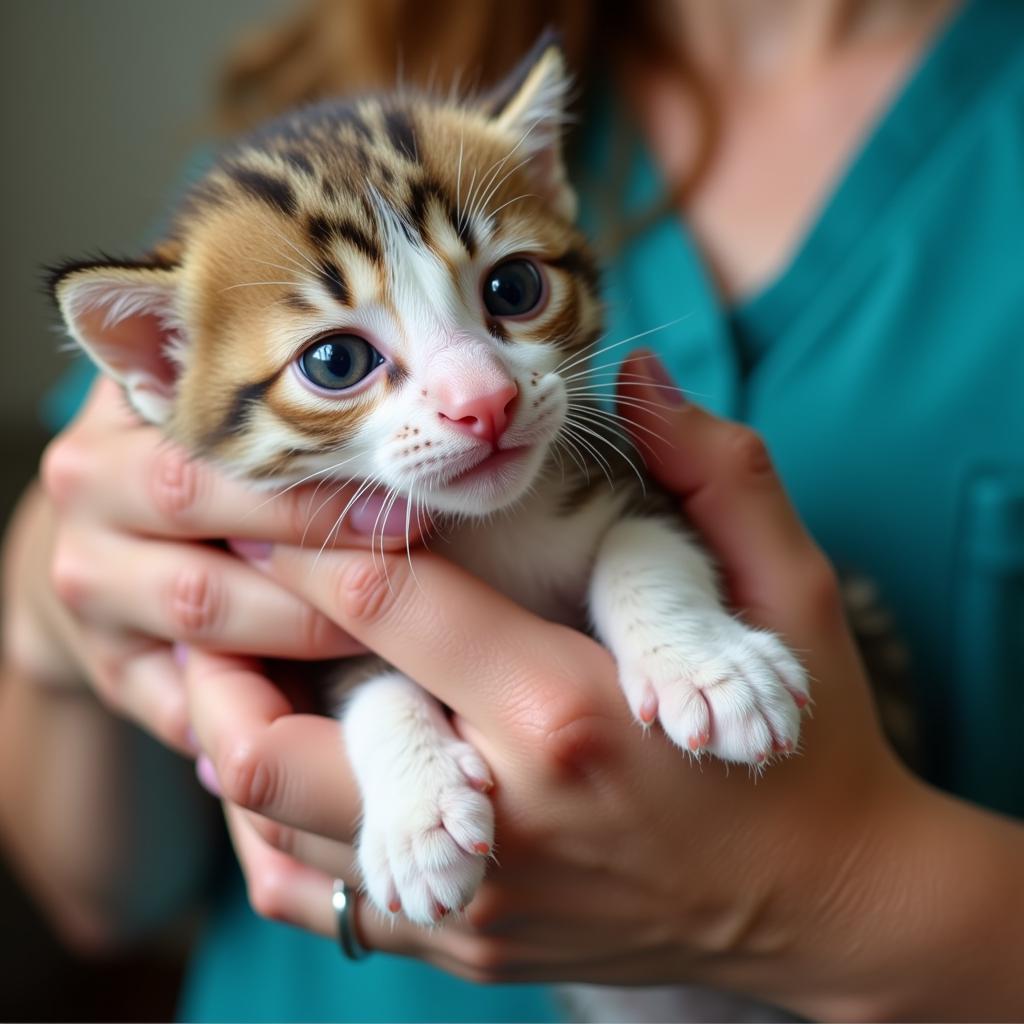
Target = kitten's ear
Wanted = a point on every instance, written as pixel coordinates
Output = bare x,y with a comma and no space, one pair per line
531,108
125,316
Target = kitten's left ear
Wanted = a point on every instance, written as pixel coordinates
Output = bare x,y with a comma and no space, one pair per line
125,316
531,110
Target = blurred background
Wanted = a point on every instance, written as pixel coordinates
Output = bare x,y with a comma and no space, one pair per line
101,104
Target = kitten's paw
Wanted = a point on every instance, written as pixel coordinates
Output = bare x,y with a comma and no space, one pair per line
717,685
426,835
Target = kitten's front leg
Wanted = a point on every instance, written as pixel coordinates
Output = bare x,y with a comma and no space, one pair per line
427,826
715,683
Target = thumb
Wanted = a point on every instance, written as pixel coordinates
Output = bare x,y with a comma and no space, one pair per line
729,491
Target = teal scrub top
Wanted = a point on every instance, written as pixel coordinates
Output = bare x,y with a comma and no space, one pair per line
885,368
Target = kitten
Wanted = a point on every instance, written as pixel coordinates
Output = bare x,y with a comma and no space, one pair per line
393,291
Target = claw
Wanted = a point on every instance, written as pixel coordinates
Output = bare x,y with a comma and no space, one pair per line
648,707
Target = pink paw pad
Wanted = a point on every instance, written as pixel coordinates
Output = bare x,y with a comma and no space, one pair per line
482,848
394,905
699,741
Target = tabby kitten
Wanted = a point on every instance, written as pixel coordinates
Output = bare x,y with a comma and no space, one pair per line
393,291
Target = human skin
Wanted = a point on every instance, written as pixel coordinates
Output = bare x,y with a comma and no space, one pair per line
621,861
102,501
105,567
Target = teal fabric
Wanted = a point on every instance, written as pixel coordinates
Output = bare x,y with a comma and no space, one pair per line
884,367
249,969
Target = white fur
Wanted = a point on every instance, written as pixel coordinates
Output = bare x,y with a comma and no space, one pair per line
422,816
714,683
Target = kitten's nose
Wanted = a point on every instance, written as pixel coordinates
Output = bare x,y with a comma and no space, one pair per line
483,416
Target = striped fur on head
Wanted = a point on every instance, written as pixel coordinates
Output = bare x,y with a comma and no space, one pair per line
380,219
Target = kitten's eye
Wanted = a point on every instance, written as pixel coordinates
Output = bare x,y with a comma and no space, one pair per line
339,361
513,288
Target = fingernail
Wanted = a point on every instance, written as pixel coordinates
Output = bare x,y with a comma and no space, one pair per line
251,550
179,652
668,391
207,776
365,516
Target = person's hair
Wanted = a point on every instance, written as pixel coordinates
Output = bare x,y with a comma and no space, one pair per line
339,47
335,47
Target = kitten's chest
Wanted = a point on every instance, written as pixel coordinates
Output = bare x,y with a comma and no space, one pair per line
541,554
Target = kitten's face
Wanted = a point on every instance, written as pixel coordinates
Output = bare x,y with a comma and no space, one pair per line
384,292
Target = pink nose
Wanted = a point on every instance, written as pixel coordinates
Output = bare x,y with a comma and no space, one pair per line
483,416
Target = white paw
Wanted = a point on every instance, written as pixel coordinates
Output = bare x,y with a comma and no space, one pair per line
717,685
426,834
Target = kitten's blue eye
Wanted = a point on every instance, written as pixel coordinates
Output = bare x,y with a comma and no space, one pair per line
339,361
513,288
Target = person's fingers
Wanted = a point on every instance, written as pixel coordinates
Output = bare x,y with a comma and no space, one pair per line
139,679
469,645
191,593
334,858
290,767
136,481
730,492
283,888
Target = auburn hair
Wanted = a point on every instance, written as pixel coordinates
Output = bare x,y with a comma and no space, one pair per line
337,47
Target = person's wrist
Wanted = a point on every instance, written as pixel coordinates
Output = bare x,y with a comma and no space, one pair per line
812,940
868,946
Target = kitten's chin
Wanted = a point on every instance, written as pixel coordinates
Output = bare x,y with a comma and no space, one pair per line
497,482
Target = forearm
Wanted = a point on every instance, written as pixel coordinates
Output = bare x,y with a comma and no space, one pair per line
105,826
924,920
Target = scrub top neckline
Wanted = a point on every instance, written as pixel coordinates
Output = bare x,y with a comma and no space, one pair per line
965,56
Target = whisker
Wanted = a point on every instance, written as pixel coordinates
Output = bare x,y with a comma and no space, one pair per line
408,525
296,267
607,377
252,284
496,168
341,485
287,241
625,458
364,486
482,204
615,419
573,453
509,202
625,341
581,391
605,419
381,520
575,427
300,482
458,178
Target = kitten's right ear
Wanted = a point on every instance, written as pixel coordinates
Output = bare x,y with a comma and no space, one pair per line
126,317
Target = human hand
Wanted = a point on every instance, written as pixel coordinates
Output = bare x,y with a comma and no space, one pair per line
620,860
126,573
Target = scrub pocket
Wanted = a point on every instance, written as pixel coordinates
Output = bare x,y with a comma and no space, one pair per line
989,631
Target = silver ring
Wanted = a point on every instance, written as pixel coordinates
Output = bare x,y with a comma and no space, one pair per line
343,899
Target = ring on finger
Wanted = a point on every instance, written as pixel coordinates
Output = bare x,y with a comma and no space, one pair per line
343,900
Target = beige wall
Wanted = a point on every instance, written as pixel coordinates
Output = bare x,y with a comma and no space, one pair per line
101,101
